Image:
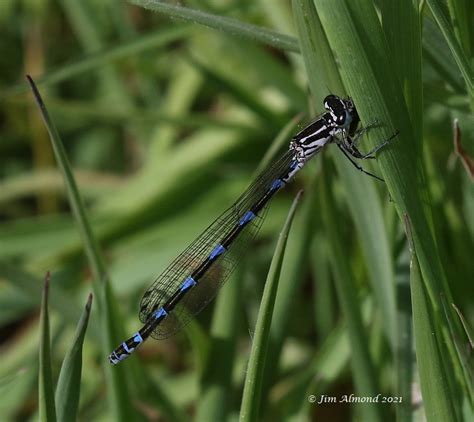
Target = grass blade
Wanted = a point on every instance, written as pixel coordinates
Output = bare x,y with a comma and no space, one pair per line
69,382
292,276
256,366
45,382
222,23
319,62
116,376
362,366
433,380
467,328
404,351
406,46
109,54
91,247
442,19
216,380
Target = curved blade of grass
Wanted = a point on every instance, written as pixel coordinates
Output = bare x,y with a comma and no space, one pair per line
362,197
242,94
120,398
45,382
442,19
92,249
228,25
404,352
433,380
467,328
364,372
437,53
109,54
277,145
69,382
319,62
461,17
256,366
293,267
292,275
406,50
464,354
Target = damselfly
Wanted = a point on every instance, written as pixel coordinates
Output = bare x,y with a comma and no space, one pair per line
189,283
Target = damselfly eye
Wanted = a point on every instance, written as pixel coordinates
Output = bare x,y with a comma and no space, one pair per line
333,103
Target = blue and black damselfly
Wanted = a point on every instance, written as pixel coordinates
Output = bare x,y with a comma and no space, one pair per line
193,278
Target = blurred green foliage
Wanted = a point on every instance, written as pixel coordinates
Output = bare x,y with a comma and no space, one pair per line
164,122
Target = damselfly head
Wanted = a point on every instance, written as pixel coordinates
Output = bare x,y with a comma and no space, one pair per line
341,110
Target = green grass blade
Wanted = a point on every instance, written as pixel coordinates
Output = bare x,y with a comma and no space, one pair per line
467,328
292,276
362,366
319,62
438,9
216,380
222,23
120,398
277,145
404,352
69,382
366,210
434,384
45,382
324,302
91,247
406,47
109,54
461,19
256,365
459,340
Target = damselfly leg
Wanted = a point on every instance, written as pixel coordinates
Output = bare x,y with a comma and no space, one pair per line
357,165
352,149
348,146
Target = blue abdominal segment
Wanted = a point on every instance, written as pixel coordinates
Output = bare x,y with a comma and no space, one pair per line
248,216
218,250
187,284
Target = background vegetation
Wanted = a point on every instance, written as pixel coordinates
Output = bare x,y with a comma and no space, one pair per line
163,119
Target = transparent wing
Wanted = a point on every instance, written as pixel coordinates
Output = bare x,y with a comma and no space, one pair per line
199,250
